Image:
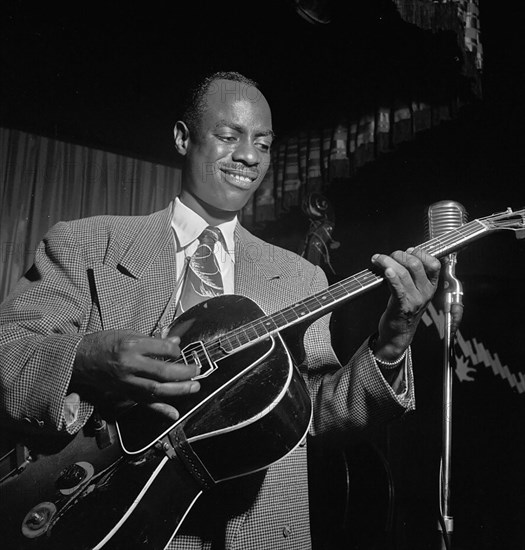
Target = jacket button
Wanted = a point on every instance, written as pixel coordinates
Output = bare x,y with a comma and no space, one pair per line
287,531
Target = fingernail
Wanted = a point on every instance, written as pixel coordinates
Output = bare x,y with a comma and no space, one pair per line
194,388
374,257
410,249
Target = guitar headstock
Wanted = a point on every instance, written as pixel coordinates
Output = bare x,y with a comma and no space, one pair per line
511,220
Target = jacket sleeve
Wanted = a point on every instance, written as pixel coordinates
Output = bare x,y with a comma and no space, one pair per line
350,397
41,325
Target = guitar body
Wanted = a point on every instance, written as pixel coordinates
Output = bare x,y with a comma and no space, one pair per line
254,391
38,514
253,409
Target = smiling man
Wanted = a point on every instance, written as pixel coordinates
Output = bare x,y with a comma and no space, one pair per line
227,148
81,330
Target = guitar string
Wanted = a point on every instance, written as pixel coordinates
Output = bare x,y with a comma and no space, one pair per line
342,288
239,337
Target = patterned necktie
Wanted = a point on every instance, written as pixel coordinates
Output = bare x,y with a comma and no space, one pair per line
203,277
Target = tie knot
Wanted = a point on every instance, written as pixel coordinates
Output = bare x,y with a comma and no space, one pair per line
210,235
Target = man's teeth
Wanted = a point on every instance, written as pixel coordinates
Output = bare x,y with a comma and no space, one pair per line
244,179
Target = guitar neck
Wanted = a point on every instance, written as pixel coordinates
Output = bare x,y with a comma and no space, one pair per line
339,293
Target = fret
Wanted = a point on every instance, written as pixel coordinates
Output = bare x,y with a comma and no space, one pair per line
290,314
269,324
331,291
230,342
317,302
251,333
247,334
260,327
242,337
338,291
354,284
309,305
279,319
301,310
324,298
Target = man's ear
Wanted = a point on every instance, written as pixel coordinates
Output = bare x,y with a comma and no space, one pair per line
181,134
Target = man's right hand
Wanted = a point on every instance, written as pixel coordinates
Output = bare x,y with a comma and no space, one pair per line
121,365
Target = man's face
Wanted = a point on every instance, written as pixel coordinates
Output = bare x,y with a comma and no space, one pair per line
229,155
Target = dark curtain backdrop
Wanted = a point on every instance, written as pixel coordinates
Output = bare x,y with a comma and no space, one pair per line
44,181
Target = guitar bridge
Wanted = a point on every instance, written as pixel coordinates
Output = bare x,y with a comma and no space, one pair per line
196,353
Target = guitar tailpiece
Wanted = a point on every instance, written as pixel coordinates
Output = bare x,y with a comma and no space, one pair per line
165,446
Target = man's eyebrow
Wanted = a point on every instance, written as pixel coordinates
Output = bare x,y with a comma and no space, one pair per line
264,133
240,129
236,127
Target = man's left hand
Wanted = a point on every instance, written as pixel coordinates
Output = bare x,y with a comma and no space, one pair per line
412,277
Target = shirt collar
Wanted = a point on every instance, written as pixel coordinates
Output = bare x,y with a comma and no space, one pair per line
188,225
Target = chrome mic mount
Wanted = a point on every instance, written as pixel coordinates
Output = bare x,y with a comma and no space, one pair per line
453,303
442,217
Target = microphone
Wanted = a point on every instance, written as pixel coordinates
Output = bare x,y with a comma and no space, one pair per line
445,216
442,217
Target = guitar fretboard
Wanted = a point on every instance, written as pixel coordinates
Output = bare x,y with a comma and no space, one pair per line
454,239
337,294
319,303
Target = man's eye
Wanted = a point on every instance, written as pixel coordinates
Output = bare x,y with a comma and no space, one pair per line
227,139
264,146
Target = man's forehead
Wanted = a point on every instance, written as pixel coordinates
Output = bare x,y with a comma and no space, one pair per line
230,91
230,105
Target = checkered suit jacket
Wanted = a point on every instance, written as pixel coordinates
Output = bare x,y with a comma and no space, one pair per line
110,272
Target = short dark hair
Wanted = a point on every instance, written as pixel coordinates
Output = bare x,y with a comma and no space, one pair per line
195,104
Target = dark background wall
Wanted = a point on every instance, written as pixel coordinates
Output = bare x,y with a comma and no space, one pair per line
112,76
488,440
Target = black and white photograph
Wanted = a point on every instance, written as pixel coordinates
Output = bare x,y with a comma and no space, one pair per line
261,277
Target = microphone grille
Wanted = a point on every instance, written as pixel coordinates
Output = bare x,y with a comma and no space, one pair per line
445,216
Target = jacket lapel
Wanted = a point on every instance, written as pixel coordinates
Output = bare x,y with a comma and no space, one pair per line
253,264
135,292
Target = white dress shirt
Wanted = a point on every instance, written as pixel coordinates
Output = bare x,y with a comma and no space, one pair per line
187,227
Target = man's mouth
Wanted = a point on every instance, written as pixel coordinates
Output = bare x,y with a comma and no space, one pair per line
242,178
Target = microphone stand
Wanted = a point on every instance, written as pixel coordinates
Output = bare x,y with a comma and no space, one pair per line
453,312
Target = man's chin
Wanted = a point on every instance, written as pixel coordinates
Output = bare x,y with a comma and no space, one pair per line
223,207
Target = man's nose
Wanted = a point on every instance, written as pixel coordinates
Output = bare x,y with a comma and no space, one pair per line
247,153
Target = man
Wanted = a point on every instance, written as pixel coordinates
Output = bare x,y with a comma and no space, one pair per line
79,328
